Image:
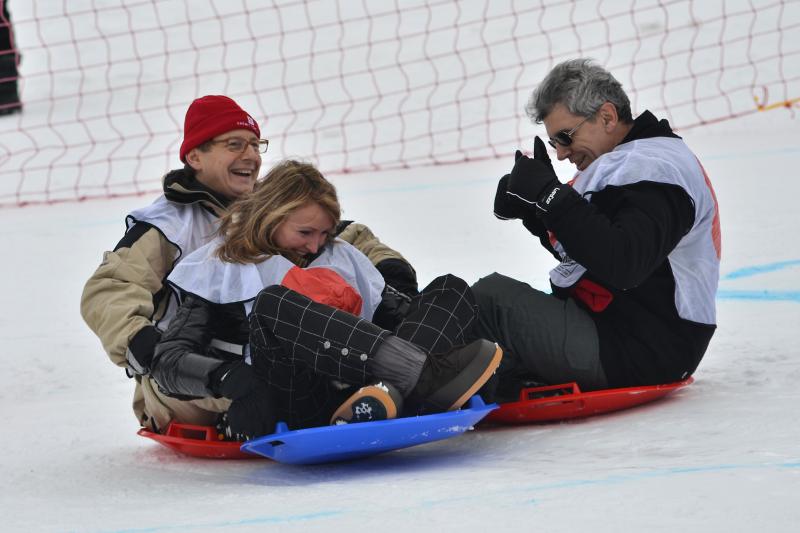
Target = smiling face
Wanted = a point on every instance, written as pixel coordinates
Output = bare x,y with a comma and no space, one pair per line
597,136
305,230
228,173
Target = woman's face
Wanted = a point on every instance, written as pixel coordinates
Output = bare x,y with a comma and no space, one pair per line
305,230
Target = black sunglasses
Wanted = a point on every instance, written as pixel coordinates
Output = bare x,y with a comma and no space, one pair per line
564,137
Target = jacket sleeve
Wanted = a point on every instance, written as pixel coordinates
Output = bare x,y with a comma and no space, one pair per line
394,268
623,249
119,300
180,366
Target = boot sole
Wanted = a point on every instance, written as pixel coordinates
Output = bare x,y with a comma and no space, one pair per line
492,364
344,414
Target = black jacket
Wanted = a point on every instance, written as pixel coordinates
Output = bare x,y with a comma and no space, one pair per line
185,359
642,339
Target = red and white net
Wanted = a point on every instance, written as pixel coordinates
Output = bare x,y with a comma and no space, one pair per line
357,86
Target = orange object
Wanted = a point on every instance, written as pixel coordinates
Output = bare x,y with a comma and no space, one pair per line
197,441
563,402
324,286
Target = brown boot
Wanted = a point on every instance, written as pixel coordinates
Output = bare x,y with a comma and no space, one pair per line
380,401
449,380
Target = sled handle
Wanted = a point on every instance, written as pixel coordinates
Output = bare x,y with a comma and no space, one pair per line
580,405
549,391
192,431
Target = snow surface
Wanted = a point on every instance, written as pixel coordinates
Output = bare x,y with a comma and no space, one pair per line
720,455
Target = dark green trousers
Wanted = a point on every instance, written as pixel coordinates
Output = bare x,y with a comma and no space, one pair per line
551,340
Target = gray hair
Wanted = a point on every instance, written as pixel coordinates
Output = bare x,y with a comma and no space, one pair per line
582,87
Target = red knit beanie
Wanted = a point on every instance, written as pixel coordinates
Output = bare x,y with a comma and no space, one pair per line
210,116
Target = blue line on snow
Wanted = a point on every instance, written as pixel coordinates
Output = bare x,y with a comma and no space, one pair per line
761,269
504,494
233,523
669,472
528,492
765,296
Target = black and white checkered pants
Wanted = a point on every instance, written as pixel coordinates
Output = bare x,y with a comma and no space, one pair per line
306,350
441,316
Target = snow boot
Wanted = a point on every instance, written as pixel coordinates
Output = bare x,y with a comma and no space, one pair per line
381,401
448,380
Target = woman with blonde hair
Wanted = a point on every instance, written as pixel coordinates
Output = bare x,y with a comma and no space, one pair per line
276,322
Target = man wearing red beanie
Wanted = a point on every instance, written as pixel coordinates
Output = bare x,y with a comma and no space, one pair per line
218,120
126,302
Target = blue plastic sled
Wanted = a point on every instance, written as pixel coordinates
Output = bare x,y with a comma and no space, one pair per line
344,442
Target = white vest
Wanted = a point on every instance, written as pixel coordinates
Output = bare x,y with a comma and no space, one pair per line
219,282
187,226
695,260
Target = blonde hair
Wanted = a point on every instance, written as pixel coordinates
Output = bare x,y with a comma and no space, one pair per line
248,228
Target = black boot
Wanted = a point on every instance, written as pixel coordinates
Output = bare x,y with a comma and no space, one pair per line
449,380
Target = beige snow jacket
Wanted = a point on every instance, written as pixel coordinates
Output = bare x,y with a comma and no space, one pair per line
126,296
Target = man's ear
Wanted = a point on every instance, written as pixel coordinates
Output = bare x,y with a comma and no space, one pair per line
193,159
609,116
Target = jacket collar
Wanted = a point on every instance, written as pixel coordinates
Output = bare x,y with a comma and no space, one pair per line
647,126
182,187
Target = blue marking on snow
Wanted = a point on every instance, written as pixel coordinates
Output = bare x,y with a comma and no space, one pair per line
232,523
614,479
760,269
528,493
763,295
669,472
484,496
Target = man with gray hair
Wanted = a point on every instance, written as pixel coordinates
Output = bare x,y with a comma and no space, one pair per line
636,233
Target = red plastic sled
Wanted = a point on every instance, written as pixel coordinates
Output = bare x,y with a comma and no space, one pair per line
197,441
563,402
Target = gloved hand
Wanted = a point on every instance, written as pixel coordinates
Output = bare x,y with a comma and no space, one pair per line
252,415
506,206
533,181
139,355
399,274
392,309
232,380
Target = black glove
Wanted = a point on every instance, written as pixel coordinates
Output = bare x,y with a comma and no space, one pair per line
252,415
506,206
535,225
232,380
392,309
533,181
399,274
139,354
